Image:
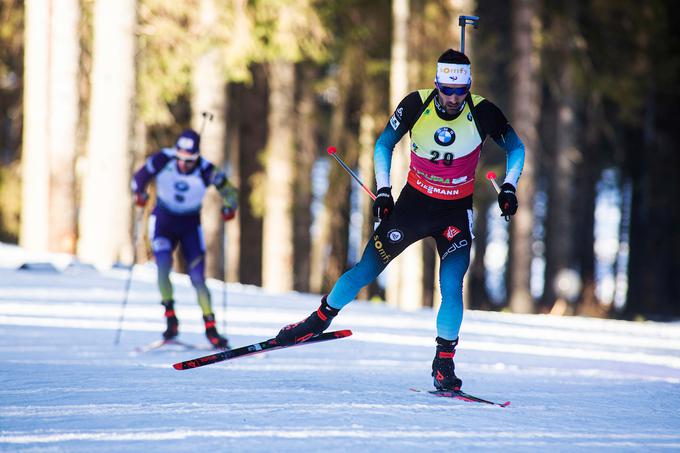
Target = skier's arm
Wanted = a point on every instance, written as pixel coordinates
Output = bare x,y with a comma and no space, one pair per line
514,152
495,124
228,193
400,122
149,170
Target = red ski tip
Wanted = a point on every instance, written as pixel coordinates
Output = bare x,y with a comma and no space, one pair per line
342,333
331,150
491,175
177,366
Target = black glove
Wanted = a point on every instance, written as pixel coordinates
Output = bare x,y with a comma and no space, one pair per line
507,200
383,204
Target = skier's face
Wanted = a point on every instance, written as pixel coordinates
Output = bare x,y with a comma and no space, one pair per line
186,161
453,101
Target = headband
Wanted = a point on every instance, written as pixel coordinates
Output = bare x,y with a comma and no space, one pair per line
453,73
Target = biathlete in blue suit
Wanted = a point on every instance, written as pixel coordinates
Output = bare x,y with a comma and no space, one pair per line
182,176
448,125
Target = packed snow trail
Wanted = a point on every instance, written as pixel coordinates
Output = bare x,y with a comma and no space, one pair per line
575,384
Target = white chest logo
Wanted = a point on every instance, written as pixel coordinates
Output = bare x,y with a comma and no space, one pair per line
444,136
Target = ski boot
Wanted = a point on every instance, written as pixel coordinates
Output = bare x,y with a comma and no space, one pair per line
443,368
214,338
172,329
309,327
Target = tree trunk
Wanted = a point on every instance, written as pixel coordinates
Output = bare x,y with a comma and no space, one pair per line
63,124
210,96
585,232
106,201
252,140
560,243
304,160
277,258
337,201
525,102
367,137
35,172
405,274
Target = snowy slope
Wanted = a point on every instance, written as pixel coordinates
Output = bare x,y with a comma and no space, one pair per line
575,384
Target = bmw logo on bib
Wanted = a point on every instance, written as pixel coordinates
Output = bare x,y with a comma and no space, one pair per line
444,136
181,186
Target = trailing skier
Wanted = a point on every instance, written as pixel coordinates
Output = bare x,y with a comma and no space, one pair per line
182,176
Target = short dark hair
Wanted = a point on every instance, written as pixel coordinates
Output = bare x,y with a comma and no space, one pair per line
453,56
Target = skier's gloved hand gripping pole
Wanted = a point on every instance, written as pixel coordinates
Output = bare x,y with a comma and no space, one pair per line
507,200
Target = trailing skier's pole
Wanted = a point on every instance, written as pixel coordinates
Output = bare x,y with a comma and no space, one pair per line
224,282
206,116
332,150
139,215
463,21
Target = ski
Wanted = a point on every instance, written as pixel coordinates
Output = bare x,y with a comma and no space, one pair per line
255,348
460,395
155,345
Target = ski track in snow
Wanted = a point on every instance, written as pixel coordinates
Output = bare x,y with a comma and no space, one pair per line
575,384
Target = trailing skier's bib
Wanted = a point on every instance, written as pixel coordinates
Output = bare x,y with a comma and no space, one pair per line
180,193
444,153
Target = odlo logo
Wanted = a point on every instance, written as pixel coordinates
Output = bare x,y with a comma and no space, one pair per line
450,233
455,246
444,136
384,256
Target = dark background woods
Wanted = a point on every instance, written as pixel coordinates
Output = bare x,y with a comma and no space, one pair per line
591,87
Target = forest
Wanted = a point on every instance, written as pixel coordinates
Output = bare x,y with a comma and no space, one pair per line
90,88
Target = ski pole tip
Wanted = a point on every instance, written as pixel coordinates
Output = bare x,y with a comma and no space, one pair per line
331,150
491,175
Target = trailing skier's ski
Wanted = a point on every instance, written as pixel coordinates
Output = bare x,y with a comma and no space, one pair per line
155,345
457,394
255,348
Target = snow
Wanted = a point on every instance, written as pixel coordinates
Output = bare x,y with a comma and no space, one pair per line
575,384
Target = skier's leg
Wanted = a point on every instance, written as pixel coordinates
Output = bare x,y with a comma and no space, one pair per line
451,273
162,246
391,238
401,229
193,249
371,265
454,252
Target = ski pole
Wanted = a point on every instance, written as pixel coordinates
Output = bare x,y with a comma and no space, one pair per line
463,21
135,237
224,282
491,176
206,116
332,151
